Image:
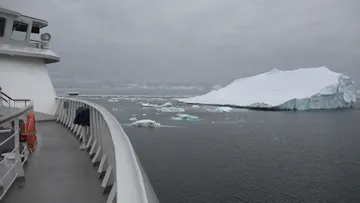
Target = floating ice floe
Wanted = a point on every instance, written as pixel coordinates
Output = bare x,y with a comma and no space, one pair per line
133,119
113,100
116,109
167,104
195,106
144,114
147,123
171,109
185,117
220,109
302,89
148,105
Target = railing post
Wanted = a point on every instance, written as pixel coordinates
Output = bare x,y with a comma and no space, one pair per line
95,135
65,111
68,123
18,168
98,126
60,107
112,194
74,126
91,129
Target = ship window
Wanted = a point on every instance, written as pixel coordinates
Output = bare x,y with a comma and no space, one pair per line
19,31
2,26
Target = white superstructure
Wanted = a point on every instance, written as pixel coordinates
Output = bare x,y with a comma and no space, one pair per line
23,59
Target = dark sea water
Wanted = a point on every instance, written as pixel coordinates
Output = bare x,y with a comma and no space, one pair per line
248,156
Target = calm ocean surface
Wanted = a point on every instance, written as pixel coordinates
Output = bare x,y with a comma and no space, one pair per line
248,156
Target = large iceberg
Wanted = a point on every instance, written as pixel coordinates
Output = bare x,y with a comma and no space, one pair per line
302,89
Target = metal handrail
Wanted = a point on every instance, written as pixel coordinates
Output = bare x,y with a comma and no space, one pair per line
111,148
8,99
7,96
17,113
16,170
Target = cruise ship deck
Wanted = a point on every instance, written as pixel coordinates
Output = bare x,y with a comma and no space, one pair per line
80,157
58,171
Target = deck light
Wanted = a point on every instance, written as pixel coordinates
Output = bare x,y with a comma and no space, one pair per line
45,37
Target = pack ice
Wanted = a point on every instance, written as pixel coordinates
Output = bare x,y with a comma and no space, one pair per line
301,89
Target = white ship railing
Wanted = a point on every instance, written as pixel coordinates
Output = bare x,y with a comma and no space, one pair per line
11,165
110,151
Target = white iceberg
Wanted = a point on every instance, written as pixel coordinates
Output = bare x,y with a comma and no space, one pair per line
146,123
195,106
148,105
113,100
186,117
133,119
167,104
220,109
171,109
302,89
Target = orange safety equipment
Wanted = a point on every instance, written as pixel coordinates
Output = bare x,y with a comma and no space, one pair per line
31,132
22,131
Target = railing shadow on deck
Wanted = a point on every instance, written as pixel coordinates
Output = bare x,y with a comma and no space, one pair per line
110,151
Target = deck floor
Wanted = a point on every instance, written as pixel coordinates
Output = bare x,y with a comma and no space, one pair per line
57,172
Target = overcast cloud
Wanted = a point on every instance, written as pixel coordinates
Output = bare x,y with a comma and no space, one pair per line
198,40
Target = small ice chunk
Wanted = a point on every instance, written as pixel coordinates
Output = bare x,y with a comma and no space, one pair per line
185,117
116,109
113,100
167,104
195,106
147,123
133,119
171,109
144,114
148,105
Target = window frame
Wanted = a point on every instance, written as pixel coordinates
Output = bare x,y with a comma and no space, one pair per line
2,35
26,33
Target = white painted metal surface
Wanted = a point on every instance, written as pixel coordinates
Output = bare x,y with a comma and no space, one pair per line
111,151
11,168
23,62
28,78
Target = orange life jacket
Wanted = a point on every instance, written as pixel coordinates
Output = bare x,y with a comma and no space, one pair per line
22,131
31,132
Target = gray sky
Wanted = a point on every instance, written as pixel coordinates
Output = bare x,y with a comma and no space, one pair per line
198,40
